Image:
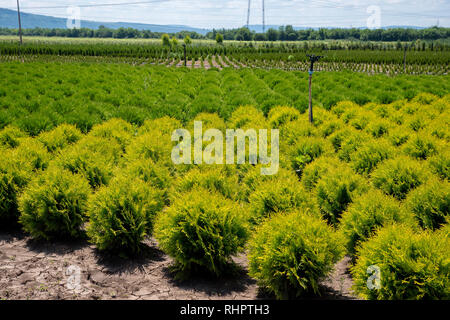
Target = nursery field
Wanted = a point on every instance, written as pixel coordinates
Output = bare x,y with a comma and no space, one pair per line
86,157
38,96
356,56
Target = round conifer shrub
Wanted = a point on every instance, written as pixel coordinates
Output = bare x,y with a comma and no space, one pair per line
60,137
10,136
336,190
421,147
247,117
368,156
117,130
411,265
440,165
122,214
14,176
93,157
54,205
305,151
317,169
291,253
430,203
397,177
277,195
201,231
367,214
279,116
213,179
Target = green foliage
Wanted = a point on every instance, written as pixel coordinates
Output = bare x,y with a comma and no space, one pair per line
396,177
430,203
149,172
54,205
219,38
317,169
412,265
165,40
10,136
215,179
33,152
114,129
277,195
367,214
368,156
440,165
336,190
15,174
305,151
398,136
93,157
201,231
60,137
247,117
291,253
421,147
280,116
122,214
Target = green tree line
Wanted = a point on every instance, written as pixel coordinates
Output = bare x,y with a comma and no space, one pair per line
284,33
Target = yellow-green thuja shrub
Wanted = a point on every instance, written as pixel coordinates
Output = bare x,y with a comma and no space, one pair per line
421,146
319,168
291,253
214,179
201,231
430,203
10,137
336,190
397,177
122,214
166,125
278,195
412,265
17,167
33,152
54,204
367,214
280,116
366,158
305,150
247,117
60,137
118,130
149,172
94,157
440,164
15,174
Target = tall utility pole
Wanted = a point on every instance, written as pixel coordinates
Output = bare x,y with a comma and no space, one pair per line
20,23
264,16
248,13
313,59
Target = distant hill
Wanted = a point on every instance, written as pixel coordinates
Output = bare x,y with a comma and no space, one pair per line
8,19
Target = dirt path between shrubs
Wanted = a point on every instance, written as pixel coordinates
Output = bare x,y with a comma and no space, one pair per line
38,270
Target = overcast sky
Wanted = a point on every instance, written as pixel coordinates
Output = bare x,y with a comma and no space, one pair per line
233,13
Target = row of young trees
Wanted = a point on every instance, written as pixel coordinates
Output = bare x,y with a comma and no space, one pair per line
101,32
287,33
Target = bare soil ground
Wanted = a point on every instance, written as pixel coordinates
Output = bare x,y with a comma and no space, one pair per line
32,269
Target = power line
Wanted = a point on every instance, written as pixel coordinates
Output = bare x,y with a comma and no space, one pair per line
99,5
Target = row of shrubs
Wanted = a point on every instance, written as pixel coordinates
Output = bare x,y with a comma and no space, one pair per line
340,190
